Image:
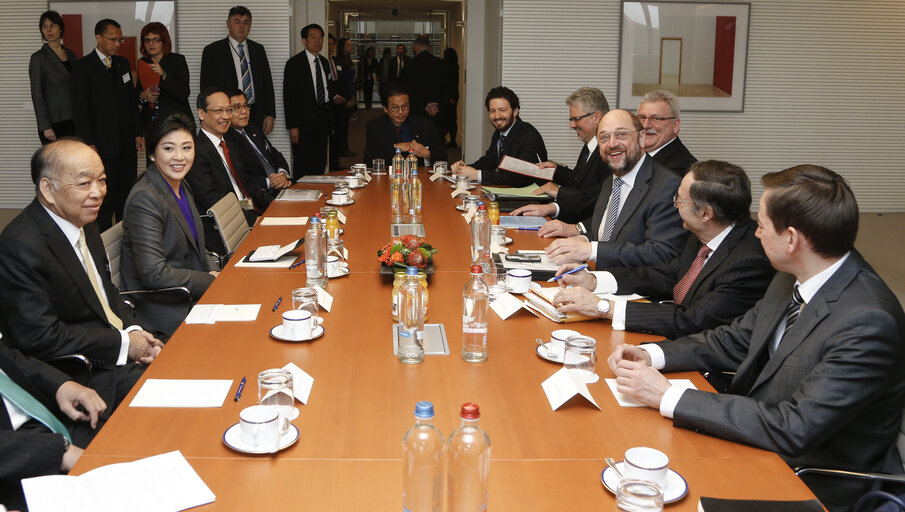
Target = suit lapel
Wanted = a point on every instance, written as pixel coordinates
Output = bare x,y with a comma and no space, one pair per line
716,259
54,60
639,190
605,190
164,191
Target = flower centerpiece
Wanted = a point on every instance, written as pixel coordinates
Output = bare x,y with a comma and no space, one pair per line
406,250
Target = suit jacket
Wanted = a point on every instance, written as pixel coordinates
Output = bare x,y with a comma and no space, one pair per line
523,142
51,91
300,99
579,187
105,105
174,89
833,392
734,278
381,137
648,230
393,64
218,68
159,251
252,171
675,156
425,76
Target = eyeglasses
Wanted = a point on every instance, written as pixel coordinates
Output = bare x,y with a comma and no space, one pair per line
676,200
220,111
149,40
114,39
579,118
604,137
399,108
655,119
238,107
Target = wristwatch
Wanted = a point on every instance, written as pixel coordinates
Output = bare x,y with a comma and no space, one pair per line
65,443
603,306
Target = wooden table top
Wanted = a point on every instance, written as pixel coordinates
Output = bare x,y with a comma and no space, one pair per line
361,404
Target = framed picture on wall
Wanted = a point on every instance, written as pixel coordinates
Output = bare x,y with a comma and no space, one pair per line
698,51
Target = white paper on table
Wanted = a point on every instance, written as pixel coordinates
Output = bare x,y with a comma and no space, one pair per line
469,214
436,176
182,393
301,382
527,168
546,264
563,385
367,176
122,486
340,216
284,221
505,305
257,257
457,191
238,313
283,262
324,299
203,314
627,401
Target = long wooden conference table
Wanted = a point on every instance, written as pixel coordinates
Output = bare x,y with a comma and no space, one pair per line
349,453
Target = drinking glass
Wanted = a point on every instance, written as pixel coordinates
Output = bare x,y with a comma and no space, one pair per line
463,182
495,279
275,390
635,495
580,357
306,298
379,166
498,235
441,167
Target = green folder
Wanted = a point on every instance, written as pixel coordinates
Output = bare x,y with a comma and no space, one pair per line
504,192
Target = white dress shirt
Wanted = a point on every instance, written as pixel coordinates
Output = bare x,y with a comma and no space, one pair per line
17,417
628,182
311,66
654,152
215,140
592,147
237,63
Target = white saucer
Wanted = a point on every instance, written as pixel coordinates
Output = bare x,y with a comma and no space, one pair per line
676,486
231,438
340,272
347,203
553,359
470,187
277,332
356,188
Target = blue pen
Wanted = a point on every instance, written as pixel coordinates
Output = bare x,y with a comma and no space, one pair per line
576,269
239,391
528,229
275,306
297,263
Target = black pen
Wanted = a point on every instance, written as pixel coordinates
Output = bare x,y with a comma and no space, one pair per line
275,306
239,391
297,263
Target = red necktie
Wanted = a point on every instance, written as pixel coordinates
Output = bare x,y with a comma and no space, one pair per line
232,171
684,284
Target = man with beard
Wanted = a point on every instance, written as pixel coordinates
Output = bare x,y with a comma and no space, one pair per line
659,114
513,137
634,222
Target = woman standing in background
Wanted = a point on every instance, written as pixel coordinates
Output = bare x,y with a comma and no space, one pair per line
163,77
48,71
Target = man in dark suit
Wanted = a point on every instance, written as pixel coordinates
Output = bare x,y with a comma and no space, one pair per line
57,295
513,137
236,62
28,447
105,111
307,86
659,114
262,166
426,79
576,190
399,63
719,275
635,223
819,361
397,129
215,171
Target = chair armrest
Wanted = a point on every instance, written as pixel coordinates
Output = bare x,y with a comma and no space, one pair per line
173,294
849,475
76,366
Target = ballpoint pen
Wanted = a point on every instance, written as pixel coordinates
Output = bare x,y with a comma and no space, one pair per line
528,229
275,306
576,269
297,263
239,391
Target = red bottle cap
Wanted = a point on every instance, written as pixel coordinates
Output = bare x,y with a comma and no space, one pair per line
470,411
318,215
476,269
482,207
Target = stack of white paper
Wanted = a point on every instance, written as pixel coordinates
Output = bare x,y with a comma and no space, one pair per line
182,393
213,313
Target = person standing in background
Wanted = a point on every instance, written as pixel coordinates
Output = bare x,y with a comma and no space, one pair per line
163,77
345,87
49,73
383,78
451,59
367,70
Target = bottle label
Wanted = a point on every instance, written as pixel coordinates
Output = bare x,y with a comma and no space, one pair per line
475,330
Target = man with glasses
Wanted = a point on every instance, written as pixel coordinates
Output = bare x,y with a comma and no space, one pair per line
659,114
106,116
720,274
397,129
634,222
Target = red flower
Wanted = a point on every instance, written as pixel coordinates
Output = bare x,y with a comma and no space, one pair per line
415,258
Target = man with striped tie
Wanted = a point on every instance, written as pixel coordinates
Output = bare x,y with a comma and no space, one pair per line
819,360
238,62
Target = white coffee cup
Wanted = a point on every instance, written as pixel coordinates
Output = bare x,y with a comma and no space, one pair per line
558,340
340,196
518,280
332,265
645,463
297,324
259,426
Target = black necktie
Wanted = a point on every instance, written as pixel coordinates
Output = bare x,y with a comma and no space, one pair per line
499,145
792,312
321,95
583,157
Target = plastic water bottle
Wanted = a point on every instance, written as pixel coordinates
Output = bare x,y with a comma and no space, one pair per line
411,163
415,189
423,453
475,301
316,254
468,468
411,319
399,162
480,238
397,194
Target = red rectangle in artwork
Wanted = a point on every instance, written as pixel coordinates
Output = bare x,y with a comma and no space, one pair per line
724,53
72,36
129,51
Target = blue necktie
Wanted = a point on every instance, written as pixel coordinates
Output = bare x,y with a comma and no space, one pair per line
30,405
321,94
612,212
499,146
247,86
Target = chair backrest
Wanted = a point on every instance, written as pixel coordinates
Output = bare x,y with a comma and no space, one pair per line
229,221
113,246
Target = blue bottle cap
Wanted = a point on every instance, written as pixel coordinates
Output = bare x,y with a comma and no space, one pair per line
411,271
314,220
480,203
414,172
424,410
398,150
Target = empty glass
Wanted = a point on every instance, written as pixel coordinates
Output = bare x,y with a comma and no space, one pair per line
463,182
379,166
495,279
581,357
275,390
441,167
470,201
306,298
634,495
498,235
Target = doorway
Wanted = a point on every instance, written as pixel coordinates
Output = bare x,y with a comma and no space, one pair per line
670,62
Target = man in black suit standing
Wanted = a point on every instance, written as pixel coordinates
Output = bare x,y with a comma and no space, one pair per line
513,137
659,114
262,166
31,442
57,297
236,62
399,63
576,190
719,275
426,79
105,111
307,86
397,129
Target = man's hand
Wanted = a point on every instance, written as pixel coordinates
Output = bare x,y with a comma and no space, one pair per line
421,150
294,135
50,134
214,273
465,170
432,109
641,382
456,166
149,95
566,250
70,457
627,352
535,210
339,100
581,278
140,143
557,228
267,124
279,181
549,188
143,347
70,395
577,300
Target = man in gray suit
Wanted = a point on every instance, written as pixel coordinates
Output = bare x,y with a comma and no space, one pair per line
819,361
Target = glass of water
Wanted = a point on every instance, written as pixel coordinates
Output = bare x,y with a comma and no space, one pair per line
635,495
275,390
580,357
306,298
379,166
495,279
